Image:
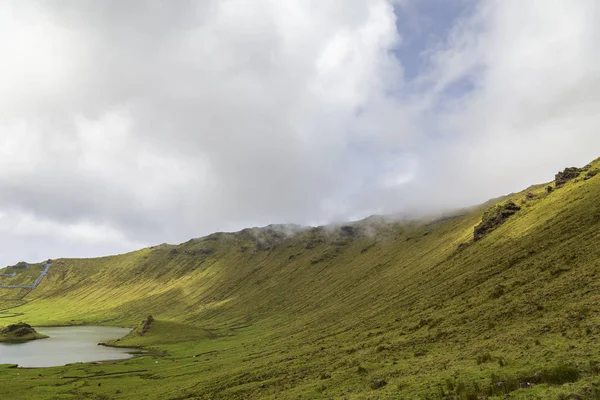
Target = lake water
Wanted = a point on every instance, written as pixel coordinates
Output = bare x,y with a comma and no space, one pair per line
65,345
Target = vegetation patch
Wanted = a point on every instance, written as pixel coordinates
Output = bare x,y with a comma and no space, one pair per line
502,385
151,332
484,358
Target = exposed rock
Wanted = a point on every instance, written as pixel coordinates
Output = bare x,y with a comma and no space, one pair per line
146,324
311,244
568,174
461,246
264,245
174,251
590,174
378,383
369,247
535,378
19,332
213,237
199,252
495,217
525,385
21,265
530,196
348,231
19,329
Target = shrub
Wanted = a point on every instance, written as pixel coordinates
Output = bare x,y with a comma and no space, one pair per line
449,385
483,358
594,367
499,290
561,373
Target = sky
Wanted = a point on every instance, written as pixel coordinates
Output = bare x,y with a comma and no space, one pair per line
129,124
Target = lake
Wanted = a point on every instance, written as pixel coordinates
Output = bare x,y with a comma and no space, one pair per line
65,345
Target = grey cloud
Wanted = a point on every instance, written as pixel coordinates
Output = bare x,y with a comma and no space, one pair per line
135,123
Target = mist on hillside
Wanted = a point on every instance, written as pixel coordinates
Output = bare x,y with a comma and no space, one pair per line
128,125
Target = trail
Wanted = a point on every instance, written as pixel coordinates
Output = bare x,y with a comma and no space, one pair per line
35,284
5,313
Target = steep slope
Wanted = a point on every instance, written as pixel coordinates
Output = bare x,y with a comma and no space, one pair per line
374,309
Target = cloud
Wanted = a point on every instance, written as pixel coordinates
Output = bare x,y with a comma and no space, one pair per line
534,77
130,124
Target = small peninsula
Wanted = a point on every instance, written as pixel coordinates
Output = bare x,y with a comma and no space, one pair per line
19,332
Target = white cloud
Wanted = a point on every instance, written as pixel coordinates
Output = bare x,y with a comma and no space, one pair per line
535,69
145,122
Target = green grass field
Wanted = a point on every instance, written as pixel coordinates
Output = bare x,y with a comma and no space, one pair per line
372,310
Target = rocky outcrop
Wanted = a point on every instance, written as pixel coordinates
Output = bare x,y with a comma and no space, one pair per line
21,265
565,176
493,218
348,231
19,332
199,252
591,173
146,324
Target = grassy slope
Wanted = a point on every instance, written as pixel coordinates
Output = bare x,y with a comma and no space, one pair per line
320,315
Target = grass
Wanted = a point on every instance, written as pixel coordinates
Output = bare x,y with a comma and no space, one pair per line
161,333
334,312
19,332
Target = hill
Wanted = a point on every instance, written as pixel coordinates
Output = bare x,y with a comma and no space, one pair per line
496,300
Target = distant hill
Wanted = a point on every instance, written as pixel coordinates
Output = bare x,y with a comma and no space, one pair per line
496,300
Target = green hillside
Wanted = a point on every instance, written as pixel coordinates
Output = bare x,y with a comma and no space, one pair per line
376,309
